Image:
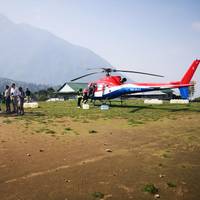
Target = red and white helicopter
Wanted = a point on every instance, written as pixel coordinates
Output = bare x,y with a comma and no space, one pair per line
110,87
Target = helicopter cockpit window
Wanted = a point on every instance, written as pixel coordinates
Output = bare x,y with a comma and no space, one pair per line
123,80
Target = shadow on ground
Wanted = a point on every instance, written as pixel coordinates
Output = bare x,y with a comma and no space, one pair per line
32,114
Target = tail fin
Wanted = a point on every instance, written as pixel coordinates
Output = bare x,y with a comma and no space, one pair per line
189,74
184,91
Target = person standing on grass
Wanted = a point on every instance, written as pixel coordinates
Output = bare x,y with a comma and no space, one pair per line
85,95
20,102
7,98
14,94
79,97
0,102
28,95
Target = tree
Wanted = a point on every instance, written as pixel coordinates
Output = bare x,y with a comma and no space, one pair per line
43,95
50,92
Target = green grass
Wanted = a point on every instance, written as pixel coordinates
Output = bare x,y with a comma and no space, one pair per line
135,122
166,155
97,195
40,130
7,121
134,111
68,129
150,188
45,130
171,184
92,131
49,131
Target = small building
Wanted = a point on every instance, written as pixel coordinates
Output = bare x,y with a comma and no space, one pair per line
69,89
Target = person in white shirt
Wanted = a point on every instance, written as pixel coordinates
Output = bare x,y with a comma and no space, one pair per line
14,92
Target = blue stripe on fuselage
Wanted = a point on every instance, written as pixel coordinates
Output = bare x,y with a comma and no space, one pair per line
122,91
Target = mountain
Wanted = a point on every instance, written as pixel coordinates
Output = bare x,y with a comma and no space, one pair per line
24,85
34,55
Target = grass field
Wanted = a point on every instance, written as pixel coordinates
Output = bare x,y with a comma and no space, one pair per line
130,110
133,151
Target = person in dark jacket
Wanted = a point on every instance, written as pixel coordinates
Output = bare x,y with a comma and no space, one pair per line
7,98
0,102
85,95
79,97
28,95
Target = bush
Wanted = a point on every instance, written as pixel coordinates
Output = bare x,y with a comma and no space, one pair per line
150,188
98,195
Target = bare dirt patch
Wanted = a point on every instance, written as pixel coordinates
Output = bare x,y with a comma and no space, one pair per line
65,159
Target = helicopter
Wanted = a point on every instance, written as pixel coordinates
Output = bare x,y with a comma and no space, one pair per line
111,87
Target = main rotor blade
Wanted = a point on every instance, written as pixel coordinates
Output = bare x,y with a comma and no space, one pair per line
137,72
103,68
94,68
84,76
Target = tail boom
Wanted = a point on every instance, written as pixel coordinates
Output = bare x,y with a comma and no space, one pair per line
186,80
182,85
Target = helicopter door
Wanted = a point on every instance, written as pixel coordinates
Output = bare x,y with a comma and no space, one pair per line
99,91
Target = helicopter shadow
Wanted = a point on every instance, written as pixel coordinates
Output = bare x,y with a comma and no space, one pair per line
137,108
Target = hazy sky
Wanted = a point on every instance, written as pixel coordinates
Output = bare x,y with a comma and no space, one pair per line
148,35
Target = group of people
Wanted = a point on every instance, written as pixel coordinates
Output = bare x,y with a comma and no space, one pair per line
84,95
14,97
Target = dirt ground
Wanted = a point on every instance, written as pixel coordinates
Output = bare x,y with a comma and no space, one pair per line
101,159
